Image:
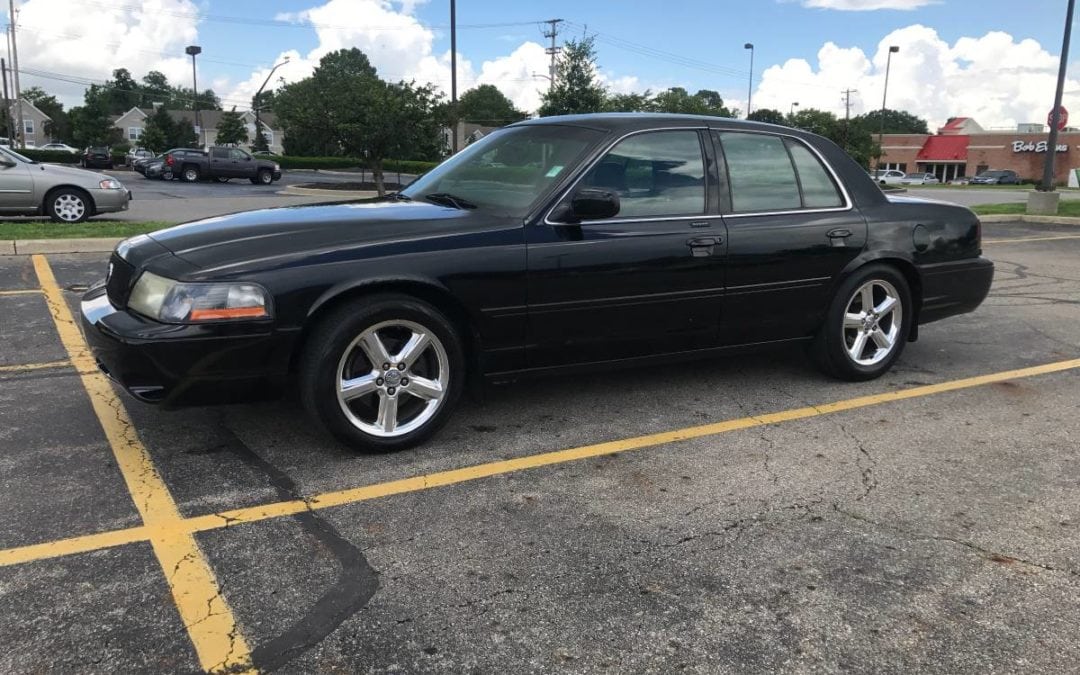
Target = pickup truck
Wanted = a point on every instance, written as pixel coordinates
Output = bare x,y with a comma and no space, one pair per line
222,164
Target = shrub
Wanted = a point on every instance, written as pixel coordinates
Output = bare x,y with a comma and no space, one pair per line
389,165
52,156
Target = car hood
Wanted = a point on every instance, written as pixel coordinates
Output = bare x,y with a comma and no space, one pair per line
271,237
81,177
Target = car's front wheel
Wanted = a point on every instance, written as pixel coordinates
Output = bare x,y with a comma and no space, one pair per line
190,174
265,177
382,373
866,326
68,205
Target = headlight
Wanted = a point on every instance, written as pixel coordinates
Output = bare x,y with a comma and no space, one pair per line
277,167
177,302
110,184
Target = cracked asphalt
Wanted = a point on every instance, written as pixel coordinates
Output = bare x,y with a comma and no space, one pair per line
934,534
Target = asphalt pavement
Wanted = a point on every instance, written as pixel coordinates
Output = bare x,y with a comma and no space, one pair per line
923,522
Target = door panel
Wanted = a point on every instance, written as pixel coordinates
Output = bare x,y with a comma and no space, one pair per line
17,187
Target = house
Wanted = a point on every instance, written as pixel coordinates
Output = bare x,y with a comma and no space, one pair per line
132,123
33,122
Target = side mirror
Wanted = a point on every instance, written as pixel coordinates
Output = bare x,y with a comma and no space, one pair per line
6,163
594,204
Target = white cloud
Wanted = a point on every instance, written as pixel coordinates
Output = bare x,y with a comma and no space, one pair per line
70,38
867,5
995,79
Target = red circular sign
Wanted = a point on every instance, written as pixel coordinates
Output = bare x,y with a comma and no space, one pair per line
1063,119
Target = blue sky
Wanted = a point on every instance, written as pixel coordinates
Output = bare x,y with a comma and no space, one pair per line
987,57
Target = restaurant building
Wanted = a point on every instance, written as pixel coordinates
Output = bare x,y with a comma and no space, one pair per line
962,149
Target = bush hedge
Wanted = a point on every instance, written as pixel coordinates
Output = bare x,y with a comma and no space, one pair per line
389,165
52,156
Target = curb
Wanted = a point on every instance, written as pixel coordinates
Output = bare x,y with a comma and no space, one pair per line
346,194
1024,218
30,246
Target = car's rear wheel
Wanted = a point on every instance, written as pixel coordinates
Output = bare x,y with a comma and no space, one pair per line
68,205
866,326
382,373
190,174
265,177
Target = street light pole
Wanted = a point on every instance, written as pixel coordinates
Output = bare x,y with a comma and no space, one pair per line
791,113
255,101
750,88
453,76
884,97
195,50
1048,182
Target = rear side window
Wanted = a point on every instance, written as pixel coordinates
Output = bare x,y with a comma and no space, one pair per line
769,173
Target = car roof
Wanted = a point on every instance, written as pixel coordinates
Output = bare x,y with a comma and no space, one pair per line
640,121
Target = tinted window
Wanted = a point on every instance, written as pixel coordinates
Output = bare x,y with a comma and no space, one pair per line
239,154
818,189
660,173
761,174
220,153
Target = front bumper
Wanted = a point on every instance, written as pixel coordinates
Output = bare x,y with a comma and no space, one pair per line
955,287
277,175
110,201
185,365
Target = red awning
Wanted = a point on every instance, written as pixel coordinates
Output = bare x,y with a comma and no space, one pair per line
944,149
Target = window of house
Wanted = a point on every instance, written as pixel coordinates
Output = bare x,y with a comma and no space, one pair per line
134,133
28,126
660,173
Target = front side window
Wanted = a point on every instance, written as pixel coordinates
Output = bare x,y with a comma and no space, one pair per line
660,173
239,154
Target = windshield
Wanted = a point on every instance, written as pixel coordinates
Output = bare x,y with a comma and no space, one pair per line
506,171
11,154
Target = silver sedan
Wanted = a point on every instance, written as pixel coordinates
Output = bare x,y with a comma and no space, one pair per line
65,194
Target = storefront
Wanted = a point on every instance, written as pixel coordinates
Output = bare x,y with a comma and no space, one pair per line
961,150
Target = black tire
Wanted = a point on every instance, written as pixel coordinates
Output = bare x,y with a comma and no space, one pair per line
190,174
265,177
167,175
330,351
832,346
68,205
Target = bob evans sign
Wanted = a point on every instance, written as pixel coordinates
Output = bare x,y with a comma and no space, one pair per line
1041,146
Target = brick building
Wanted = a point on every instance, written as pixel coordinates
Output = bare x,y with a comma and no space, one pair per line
962,148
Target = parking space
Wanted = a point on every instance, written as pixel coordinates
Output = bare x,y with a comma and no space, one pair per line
737,515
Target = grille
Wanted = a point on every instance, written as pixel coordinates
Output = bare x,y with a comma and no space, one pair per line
119,282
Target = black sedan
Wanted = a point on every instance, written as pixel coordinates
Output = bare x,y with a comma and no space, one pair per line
97,158
550,246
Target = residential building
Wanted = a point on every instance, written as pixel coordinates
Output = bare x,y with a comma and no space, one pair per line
962,148
33,122
133,122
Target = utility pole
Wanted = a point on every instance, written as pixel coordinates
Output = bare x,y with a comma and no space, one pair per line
847,113
1048,182
15,78
453,77
552,51
7,102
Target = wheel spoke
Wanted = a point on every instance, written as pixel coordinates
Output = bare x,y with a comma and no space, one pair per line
867,297
412,350
853,320
859,347
358,386
374,349
886,305
387,419
422,387
881,339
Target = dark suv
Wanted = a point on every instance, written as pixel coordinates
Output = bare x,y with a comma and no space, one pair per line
997,177
97,158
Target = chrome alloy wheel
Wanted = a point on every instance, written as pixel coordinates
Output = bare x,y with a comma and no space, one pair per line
872,322
69,207
393,378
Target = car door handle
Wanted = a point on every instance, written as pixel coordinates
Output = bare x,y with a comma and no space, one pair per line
839,233
701,247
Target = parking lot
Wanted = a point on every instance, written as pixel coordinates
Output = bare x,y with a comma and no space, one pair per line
739,515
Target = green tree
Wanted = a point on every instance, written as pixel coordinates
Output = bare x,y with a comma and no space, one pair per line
184,135
678,100
231,129
854,137
59,126
155,88
629,102
896,122
161,130
487,106
264,102
260,143
767,115
91,125
153,138
302,109
577,88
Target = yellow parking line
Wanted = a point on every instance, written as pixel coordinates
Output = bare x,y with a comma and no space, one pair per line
208,619
1021,240
22,291
324,500
20,367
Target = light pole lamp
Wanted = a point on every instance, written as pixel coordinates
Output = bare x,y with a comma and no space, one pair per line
884,96
193,51
750,88
257,104
791,113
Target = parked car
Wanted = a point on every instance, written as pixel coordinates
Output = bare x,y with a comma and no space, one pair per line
263,153
157,168
222,164
59,147
139,165
97,157
920,179
889,176
135,154
996,177
604,240
64,193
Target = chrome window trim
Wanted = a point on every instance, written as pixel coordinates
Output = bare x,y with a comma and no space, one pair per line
603,153
848,204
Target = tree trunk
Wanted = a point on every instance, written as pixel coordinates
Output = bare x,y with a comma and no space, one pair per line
377,176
